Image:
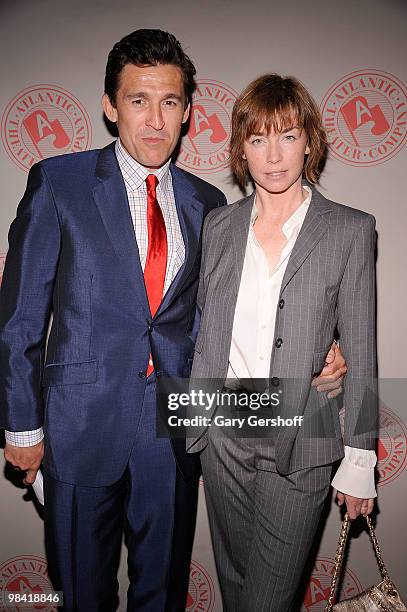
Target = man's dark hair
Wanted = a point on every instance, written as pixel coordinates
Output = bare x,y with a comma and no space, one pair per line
147,48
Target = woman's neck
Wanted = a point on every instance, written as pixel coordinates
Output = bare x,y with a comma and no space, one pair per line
278,207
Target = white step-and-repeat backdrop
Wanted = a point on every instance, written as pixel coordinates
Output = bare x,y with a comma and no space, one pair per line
352,56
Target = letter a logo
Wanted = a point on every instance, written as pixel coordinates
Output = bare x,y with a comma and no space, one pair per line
357,112
201,122
39,127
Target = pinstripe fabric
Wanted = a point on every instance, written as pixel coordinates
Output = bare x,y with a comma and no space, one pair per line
262,524
329,282
253,327
265,496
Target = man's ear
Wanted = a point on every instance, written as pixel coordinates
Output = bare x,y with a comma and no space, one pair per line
108,108
186,113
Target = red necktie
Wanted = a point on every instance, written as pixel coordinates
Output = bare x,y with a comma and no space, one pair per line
156,262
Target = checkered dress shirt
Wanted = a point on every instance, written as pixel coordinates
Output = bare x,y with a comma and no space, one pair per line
135,180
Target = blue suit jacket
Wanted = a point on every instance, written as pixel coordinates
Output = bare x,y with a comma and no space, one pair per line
73,253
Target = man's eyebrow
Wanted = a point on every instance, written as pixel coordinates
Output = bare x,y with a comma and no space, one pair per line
143,94
172,96
136,94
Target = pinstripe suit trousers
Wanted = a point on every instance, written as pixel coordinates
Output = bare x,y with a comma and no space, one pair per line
262,523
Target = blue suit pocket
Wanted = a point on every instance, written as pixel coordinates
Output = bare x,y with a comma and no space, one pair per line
70,373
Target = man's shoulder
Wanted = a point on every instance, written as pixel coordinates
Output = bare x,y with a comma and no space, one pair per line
202,187
69,163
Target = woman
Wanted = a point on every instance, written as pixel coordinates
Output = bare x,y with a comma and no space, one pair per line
283,271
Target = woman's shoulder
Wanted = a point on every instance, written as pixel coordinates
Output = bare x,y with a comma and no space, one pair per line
224,212
342,212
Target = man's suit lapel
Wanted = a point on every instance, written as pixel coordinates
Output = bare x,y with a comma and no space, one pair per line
190,211
111,199
314,227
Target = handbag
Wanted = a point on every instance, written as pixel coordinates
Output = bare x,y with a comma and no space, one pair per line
382,597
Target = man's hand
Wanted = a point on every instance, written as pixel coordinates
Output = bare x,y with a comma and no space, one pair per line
330,379
355,505
25,458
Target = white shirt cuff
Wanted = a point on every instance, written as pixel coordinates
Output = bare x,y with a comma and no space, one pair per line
24,438
355,475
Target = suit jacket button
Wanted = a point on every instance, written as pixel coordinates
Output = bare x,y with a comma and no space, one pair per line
142,374
279,342
275,382
281,303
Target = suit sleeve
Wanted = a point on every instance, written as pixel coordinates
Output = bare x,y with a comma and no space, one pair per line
25,304
357,332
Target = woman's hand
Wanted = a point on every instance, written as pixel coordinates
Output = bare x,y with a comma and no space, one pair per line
355,505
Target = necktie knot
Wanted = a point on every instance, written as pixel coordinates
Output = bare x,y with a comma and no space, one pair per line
151,182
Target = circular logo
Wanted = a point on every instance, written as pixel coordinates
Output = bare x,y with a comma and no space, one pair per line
392,446
2,261
364,114
26,577
205,147
201,592
43,121
319,586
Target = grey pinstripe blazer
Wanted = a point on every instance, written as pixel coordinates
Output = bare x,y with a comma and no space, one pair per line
329,284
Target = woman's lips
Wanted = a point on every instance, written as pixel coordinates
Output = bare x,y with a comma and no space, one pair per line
277,174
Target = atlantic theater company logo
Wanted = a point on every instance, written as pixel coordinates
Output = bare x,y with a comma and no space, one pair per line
392,446
25,576
43,121
365,116
319,586
205,148
201,592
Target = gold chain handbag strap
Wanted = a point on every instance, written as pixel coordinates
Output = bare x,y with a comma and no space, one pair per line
377,550
340,552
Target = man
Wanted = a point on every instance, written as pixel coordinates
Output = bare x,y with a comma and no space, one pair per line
120,298
109,242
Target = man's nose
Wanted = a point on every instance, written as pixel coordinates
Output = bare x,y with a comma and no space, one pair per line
155,118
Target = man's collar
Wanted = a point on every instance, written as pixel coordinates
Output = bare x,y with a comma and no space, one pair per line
135,174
